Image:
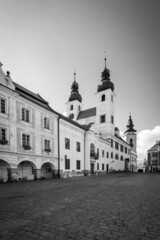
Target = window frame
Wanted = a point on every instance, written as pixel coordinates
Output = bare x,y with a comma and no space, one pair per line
5,105
67,164
24,117
78,164
78,146
47,123
67,143
103,118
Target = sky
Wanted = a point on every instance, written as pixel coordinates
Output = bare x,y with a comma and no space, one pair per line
43,40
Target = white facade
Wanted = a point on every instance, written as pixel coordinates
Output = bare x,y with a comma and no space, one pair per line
37,142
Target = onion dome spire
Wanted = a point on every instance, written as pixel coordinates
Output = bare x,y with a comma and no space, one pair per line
105,79
130,125
75,95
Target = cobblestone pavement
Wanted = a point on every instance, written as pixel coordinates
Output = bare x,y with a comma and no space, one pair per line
115,206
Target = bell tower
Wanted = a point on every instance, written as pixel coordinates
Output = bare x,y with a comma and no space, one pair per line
74,104
105,105
131,135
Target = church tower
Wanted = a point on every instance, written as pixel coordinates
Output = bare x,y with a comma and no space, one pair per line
131,135
105,105
74,104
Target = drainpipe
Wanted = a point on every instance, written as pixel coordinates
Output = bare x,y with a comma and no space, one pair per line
58,148
84,152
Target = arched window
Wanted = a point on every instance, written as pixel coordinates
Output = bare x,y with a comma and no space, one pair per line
92,150
112,98
103,98
116,156
131,142
71,108
121,158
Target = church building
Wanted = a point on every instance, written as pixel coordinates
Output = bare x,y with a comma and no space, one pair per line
36,142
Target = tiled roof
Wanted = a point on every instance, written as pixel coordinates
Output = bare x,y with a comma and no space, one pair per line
87,113
37,99
154,148
121,139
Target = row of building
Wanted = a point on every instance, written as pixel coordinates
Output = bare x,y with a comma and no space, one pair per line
37,142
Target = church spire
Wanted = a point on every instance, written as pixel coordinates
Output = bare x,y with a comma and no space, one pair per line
105,79
130,125
75,95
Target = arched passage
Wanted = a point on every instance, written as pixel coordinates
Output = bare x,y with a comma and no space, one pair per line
4,170
47,170
26,170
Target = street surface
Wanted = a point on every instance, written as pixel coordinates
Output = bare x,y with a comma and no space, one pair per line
120,206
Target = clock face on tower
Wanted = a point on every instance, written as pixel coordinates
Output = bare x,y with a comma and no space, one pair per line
71,116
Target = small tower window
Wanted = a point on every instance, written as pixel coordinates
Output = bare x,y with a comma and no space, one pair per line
79,108
71,108
131,142
112,119
112,98
103,98
102,118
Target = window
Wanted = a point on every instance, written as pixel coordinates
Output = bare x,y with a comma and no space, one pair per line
154,154
125,150
116,145
111,98
121,148
121,158
112,119
47,146
97,166
67,163
116,157
46,123
131,142
67,143
111,143
71,108
25,114
3,136
111,154
78,147
26,141
102,118
103,98
107,154
78,164
2,105
79,108
102,166
102,153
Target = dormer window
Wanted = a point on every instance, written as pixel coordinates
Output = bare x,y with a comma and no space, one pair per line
103,98
71,108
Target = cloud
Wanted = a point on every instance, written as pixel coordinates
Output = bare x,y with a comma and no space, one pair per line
145,140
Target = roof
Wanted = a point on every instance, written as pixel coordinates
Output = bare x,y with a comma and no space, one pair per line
121,139
87,113
154,148
36,98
